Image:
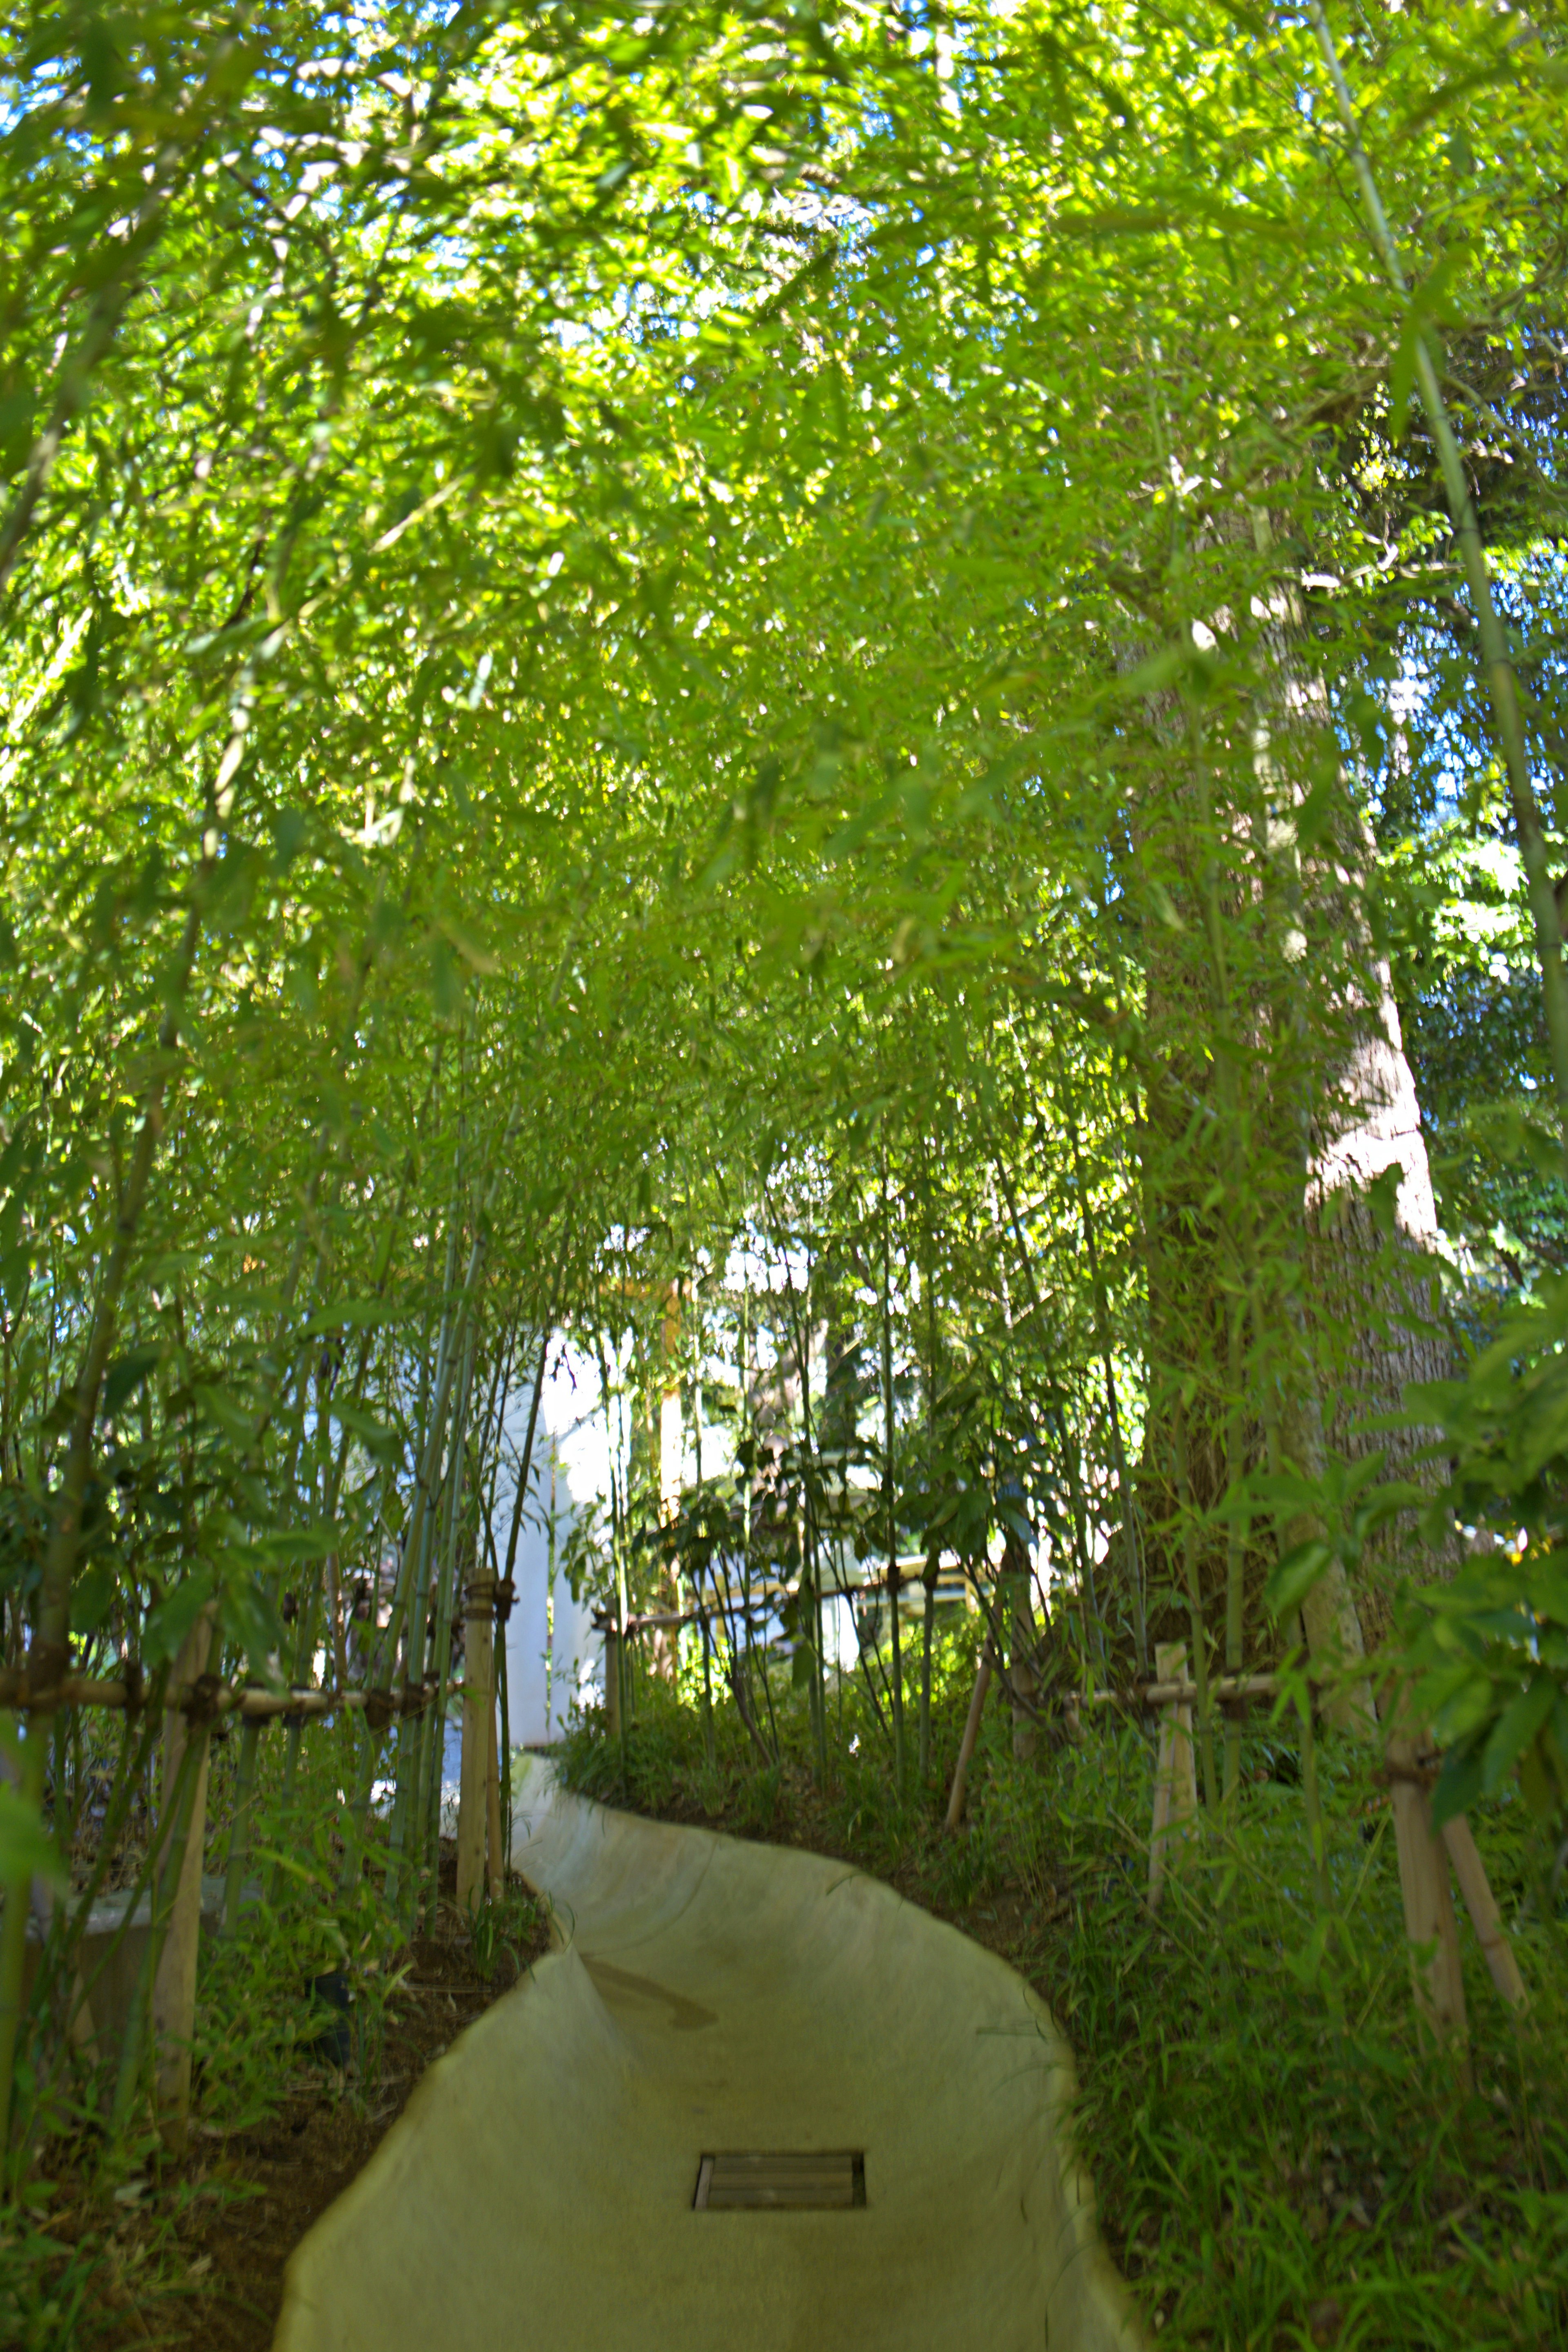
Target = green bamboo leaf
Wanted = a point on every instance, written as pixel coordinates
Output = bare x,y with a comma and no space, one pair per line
289,1546
1295,1576
1459,1784
1515,1729
167,1623
382,1441
478,959
250,1617
125,1376
446,980
346,1314
224,1411
92,1596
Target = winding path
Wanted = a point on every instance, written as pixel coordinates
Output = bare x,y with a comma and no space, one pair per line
712,1995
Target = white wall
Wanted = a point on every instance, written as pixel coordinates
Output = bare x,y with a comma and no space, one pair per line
575,1653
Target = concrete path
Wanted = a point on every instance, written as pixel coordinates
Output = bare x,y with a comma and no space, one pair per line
715,1996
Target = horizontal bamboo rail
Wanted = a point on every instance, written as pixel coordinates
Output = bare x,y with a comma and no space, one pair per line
247,1700
1184,1693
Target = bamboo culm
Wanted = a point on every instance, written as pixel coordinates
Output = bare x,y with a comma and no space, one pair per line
898,1760
432,1747
1195,1606
1131,1547
424,1501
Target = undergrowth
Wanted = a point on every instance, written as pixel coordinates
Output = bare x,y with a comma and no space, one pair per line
294,2007
1281,2160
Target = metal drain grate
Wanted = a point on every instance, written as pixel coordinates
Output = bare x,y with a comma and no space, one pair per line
778,2181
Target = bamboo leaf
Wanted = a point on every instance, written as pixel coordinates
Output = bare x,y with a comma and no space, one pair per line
125,1376
1515,1729
172,1617
346,1314
223,1410
1295,1576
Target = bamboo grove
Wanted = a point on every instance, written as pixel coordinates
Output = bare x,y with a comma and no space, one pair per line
783,692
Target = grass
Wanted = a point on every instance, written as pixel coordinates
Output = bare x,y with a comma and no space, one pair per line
1281,2160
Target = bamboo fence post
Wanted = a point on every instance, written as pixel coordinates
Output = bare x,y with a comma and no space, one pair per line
174,1985
1176,1768
1429,1923
1490,1933
971,1733
477,1770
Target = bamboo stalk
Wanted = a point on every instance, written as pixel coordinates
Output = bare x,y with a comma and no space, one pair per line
928,1646
1132,1548
1235,1548
245,1780
808,1532
1069,1456
431,1761
1194,1605
971,1734
495,1853
898,1762
410,1603
506,1771
525,1461
929,1618
427,1496
1020,1617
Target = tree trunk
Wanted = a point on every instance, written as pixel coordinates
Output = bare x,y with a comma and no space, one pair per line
1372,1227
1278,1105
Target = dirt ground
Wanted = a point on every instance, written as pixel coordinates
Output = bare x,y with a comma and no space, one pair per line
197,2264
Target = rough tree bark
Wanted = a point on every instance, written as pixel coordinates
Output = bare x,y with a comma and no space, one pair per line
1278,1103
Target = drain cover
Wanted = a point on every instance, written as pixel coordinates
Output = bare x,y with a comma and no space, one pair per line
779,2180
